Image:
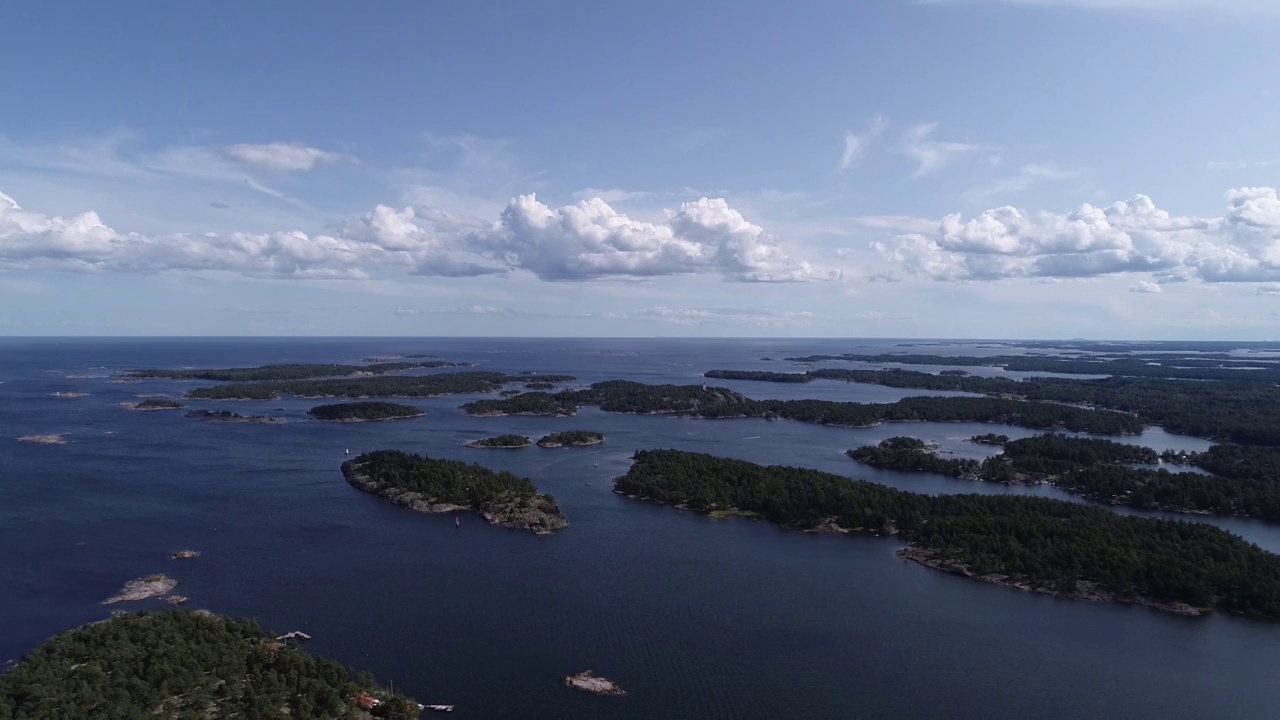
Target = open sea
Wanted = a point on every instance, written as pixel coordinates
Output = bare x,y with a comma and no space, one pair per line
694,617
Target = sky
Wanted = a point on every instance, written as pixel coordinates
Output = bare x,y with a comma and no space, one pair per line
821,168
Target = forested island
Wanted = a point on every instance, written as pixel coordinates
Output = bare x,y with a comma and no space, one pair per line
183,664
158,404
230,417
364,412
624,396
431,485
1052,546
530,403
1103,471
433,385
298,371
502,442
1243,408
571,438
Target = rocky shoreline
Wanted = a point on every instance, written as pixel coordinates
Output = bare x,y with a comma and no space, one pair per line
584,443
587,681
142,588
507,514
1084,590
230,417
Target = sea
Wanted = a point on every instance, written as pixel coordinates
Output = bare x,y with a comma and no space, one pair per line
694,617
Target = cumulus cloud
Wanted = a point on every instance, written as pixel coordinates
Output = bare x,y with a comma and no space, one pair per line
284,157
1243,245
855,144
592,240
578,242
1146,286
932,155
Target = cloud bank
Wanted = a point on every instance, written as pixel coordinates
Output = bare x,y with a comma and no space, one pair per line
1136,236
586,241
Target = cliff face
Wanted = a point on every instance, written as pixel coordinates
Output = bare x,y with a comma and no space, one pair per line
540,513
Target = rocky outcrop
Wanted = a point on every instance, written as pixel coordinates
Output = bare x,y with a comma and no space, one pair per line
143,588
587,681
43,439
185,555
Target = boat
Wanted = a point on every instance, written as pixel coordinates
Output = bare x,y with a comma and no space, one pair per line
348,451
440,708
457,522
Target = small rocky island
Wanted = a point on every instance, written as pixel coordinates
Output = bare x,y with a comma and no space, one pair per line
538,404
509,442
157,404
231,417
587,681
185,555
571,438
43,439
142,588
430,485
364,412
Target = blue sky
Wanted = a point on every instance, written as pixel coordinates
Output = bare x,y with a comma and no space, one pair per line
889,168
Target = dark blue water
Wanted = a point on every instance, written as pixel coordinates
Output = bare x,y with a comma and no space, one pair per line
695,617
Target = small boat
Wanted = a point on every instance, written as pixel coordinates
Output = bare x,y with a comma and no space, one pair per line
348,451
440,708
457,522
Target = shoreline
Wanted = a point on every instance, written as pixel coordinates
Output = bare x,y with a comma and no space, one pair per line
367,420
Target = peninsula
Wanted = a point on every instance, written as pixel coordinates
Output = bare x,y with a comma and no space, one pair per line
1049,546
429,485
571,438
364,412
196,665
501,442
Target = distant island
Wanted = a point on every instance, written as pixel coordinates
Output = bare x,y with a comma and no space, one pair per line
1049,546
364,412
429,485
571,438
502,441
432,385
625,396
158,404
1109,472
231,417
539,386
297,371
196,665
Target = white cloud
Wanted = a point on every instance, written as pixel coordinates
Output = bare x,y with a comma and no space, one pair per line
1268,289
855,144
578,242
1225,165
1127,237
284,157
932,155
898,223
1027,177
592,240
610,196
1146,286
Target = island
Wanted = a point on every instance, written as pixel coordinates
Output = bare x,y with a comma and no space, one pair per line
540,386
432,485
502,442
1245,482
43,439
530,403
587,681
185,555
297,371
989,439
625,396
231,417
70,395
184,664
571,438
434,385
158,404
364,412
1029,543
142,588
